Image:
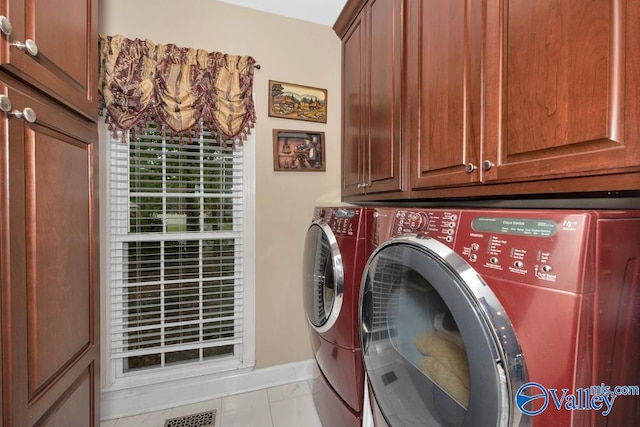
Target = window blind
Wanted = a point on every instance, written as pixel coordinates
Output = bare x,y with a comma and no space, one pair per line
176,262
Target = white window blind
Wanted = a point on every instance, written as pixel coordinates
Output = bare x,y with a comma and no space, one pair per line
176,252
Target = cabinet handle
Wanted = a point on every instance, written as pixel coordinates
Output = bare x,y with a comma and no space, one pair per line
5,26
29,45
28,114
486,165
5,103
470,167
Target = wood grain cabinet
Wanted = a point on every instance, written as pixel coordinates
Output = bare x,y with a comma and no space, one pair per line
371,102
51,45
508,97
563,101
542,96
443,92
49,238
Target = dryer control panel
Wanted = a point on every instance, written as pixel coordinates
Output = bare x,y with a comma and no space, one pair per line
542,248
438,224
539,247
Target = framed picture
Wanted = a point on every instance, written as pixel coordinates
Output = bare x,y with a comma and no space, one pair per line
298,151
291,101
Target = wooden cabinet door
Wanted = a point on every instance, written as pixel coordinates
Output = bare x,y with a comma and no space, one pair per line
66,35
383,160
50,335
371,100
353,108
442,102
563,88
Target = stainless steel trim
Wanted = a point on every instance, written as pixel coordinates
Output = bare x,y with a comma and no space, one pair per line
338,277
510,358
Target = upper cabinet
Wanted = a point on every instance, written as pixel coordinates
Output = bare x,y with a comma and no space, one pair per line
53,46
371,102
442,102
561,92
509,97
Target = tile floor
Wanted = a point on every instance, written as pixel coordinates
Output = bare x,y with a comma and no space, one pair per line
289,405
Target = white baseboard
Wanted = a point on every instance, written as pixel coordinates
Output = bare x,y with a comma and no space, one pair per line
155,397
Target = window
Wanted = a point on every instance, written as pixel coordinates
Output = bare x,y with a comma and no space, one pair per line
177,218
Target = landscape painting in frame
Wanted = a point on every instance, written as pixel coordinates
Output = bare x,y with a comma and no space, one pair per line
298,151
292,101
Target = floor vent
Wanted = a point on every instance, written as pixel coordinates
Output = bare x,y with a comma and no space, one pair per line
203,419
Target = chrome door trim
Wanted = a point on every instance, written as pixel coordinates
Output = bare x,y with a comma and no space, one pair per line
338,277
510,356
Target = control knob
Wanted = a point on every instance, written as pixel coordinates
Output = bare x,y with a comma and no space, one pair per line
416,221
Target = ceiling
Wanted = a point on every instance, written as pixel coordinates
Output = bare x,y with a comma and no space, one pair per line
324,12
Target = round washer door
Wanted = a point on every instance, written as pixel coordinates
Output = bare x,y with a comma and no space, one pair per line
323,277
438,348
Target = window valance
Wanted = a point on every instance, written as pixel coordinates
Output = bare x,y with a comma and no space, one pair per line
181,89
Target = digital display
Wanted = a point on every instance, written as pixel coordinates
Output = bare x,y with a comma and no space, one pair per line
515,226
344,213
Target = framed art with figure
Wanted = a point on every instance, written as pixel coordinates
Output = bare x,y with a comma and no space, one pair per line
298,151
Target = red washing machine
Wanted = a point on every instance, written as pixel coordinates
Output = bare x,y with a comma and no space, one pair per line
336,250
503,318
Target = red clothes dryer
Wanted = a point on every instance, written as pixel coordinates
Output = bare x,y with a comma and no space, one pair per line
336,250
503,318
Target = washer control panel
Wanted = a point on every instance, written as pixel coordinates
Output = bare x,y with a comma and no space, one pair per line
342,221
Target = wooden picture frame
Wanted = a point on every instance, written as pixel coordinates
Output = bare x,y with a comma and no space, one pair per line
297,102
298,151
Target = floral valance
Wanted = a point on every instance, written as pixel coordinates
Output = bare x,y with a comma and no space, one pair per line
180,89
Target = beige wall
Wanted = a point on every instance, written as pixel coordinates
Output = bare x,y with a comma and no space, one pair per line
288,50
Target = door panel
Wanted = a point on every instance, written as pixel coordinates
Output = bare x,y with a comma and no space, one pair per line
384,99
71,409
51,342
564,101
371,100
443,93
58,296
353,117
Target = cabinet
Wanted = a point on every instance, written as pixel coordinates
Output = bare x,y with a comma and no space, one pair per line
557,101
443,104
61,46
509,97
49,238
371,85
564,100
